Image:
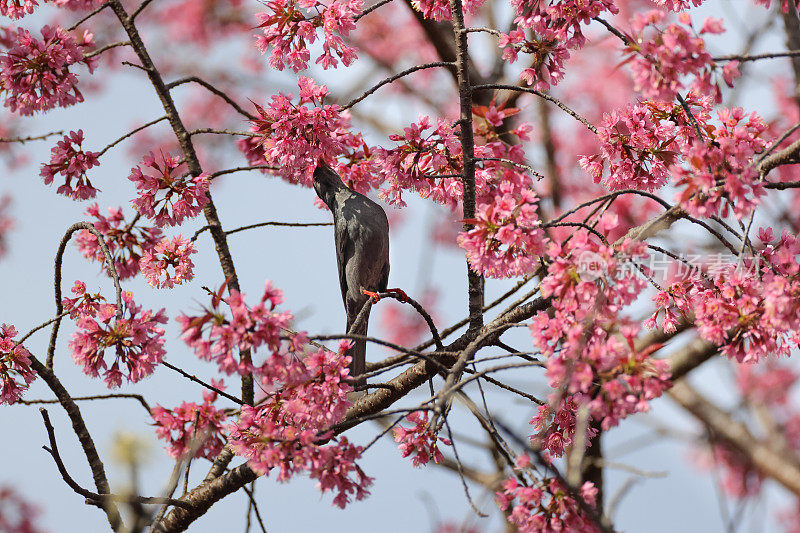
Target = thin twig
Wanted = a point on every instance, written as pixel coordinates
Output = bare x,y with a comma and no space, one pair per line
221,392
130,133
23,140
390,79
189,79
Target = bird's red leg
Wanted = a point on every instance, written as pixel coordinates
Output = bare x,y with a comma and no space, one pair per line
375,296
401,295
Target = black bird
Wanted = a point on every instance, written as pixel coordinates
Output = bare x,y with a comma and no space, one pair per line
361,235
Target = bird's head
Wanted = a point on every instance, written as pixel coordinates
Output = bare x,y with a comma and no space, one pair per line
326,182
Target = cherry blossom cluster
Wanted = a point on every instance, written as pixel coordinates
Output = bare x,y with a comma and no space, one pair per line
126,241
288,31
749,318
506,239
35,74
184,196
440,9
545,506
586,364
554,427
16,9
587,278
287,429
662,59
641,142
214,337
556,29
676,305
17,515
15,366
419,440
428,160
720,174
420,156
174,253
136,337
192,427
68,159
295,137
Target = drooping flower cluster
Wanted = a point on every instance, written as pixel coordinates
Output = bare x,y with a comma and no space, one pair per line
168,253
184,196
506,240
68,159
213,337
674,303
15,370
294,137
719,173
286,431
16,9
589,283
556,29
136,337
419,440
126,241
662,59
288,32
545,506
35,75
192,427
749,318
641,142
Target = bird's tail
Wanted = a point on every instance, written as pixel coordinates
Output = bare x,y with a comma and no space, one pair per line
358,352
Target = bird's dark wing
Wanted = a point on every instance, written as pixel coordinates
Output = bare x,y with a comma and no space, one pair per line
344,251
384,281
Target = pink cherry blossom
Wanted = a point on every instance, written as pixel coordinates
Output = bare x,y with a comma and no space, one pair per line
136,337
639,143
214,337
166,194
720,174
168,253
556,28
35,75
288,32
769,383
15,370
69,160
506,240
16,9
285,432
192,426
127,242
294,137
739,478
545,506
419,440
